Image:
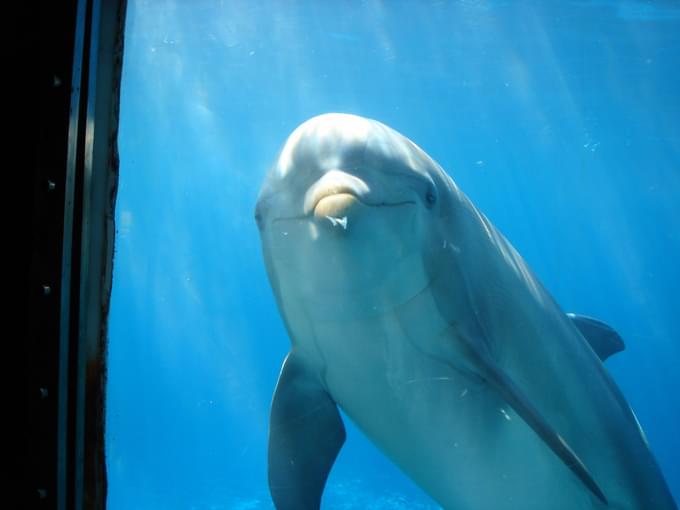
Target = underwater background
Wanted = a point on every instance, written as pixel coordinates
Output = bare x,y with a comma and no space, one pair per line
560,120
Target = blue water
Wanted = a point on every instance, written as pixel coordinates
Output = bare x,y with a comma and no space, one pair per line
560,120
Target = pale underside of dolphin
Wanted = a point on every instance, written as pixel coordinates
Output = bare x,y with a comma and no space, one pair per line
410,311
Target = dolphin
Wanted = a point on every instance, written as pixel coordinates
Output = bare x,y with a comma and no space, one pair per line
407,309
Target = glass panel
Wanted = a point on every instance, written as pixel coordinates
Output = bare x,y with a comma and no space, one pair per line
559,120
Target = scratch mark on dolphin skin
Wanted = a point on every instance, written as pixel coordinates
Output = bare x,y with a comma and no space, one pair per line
425,379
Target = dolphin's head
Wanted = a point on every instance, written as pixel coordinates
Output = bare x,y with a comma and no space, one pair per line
347,210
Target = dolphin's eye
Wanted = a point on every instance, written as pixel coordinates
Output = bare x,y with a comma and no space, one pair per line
430,198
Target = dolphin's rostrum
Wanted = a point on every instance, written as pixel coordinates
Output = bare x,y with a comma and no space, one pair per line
408,309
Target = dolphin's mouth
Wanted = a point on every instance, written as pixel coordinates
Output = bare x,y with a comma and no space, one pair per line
336,196
336,204
332,192
334,186
338,192
335,208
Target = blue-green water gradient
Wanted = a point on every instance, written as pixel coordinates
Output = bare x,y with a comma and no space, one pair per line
559,119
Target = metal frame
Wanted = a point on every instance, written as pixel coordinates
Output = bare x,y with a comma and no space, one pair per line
74,184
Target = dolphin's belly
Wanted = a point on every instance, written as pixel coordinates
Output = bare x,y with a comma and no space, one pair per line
443,427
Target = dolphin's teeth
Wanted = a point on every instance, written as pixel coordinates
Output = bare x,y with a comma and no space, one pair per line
338,221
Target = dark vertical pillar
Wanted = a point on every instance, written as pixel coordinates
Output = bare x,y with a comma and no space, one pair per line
69,56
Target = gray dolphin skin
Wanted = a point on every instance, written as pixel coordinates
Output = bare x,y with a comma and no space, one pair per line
407,309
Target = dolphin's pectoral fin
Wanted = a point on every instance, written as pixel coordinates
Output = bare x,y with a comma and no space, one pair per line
601,337
515,397
305,436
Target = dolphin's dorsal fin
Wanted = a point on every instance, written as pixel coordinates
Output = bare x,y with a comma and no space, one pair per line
305,436
601,337
516,398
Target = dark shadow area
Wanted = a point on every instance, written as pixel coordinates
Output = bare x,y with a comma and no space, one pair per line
67,58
